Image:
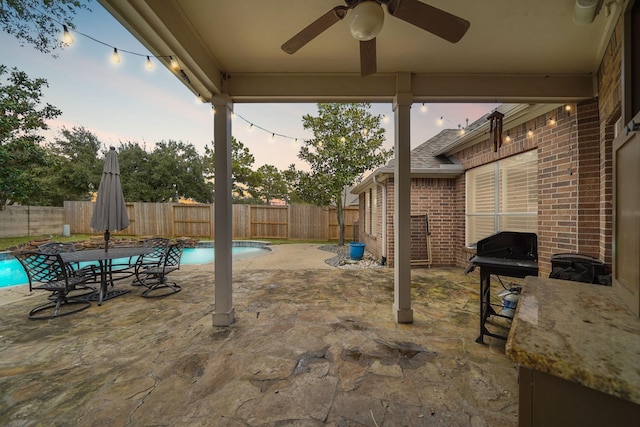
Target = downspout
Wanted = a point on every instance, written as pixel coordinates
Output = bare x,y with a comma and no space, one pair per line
383,258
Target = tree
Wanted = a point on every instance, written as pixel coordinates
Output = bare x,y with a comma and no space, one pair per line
39,23
244,179
347,142
21,118
135,172
75,170
271,184
172,171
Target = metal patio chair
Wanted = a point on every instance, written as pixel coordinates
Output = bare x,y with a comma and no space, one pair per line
48,272
160,246
90,272
154,278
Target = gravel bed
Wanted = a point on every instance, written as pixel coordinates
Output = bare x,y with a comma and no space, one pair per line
342,259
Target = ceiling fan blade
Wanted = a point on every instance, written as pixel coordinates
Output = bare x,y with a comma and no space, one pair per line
368,57
314,29
429,18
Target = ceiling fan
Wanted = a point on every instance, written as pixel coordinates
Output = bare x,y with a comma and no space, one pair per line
367,17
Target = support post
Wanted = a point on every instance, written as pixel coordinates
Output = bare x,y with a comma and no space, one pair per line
402,209
223,314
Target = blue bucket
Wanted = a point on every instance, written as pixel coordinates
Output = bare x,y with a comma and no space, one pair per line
356,251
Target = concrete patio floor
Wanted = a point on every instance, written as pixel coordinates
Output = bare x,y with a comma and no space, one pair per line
312,345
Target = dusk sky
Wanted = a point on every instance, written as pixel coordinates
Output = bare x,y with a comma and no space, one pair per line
126,102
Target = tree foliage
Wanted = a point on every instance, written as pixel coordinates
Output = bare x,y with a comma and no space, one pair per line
75,170
22,117
271,185
347,142
39,22
243,178
172,171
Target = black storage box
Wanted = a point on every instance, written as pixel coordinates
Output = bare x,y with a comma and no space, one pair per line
576,267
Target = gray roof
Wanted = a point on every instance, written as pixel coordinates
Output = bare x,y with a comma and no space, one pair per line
421,157
424,162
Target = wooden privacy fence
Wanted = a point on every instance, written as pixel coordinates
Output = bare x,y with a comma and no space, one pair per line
294,222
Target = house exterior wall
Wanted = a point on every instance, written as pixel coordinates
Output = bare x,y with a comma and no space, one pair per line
437,197
575,179
372,241
610,111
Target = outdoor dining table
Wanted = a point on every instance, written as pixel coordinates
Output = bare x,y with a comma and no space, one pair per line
105,261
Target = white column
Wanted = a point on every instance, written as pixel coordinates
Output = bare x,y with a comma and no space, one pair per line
223,314
402,209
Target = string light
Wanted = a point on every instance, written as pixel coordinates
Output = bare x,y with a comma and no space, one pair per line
530,133
552,121
272,134
67,38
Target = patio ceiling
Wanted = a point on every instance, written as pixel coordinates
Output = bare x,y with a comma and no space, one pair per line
514,51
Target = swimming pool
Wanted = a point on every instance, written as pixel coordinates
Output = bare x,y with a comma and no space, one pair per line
12,273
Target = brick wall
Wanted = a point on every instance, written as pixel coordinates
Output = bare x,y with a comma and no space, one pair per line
436,197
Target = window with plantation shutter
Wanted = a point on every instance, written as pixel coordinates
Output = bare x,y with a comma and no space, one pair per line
502,196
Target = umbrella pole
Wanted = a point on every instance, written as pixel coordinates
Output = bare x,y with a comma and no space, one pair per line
106,240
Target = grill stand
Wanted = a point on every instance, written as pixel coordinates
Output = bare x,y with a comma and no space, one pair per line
520,271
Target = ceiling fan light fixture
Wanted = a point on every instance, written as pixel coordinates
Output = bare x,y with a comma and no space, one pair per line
366,20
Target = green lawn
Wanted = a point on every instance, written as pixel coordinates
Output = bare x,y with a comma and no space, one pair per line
11,242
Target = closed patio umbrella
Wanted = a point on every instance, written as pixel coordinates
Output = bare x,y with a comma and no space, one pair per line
110,212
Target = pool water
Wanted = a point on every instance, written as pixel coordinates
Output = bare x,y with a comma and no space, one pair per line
12,273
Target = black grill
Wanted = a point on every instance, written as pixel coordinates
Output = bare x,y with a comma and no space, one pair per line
508,253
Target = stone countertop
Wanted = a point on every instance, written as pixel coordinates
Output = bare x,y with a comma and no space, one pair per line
579,332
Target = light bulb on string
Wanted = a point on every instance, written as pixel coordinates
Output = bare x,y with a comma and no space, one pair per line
66,35
273,137
173,63
115,56
530,133
423,109
213,110
149,64
385,118
250,127
440,121
343,139
552,121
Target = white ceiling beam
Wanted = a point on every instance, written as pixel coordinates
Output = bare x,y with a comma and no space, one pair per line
424,87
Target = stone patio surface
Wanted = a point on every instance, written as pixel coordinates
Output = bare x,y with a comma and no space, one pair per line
312,345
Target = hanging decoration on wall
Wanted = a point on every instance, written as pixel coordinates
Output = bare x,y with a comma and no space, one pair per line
495,129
